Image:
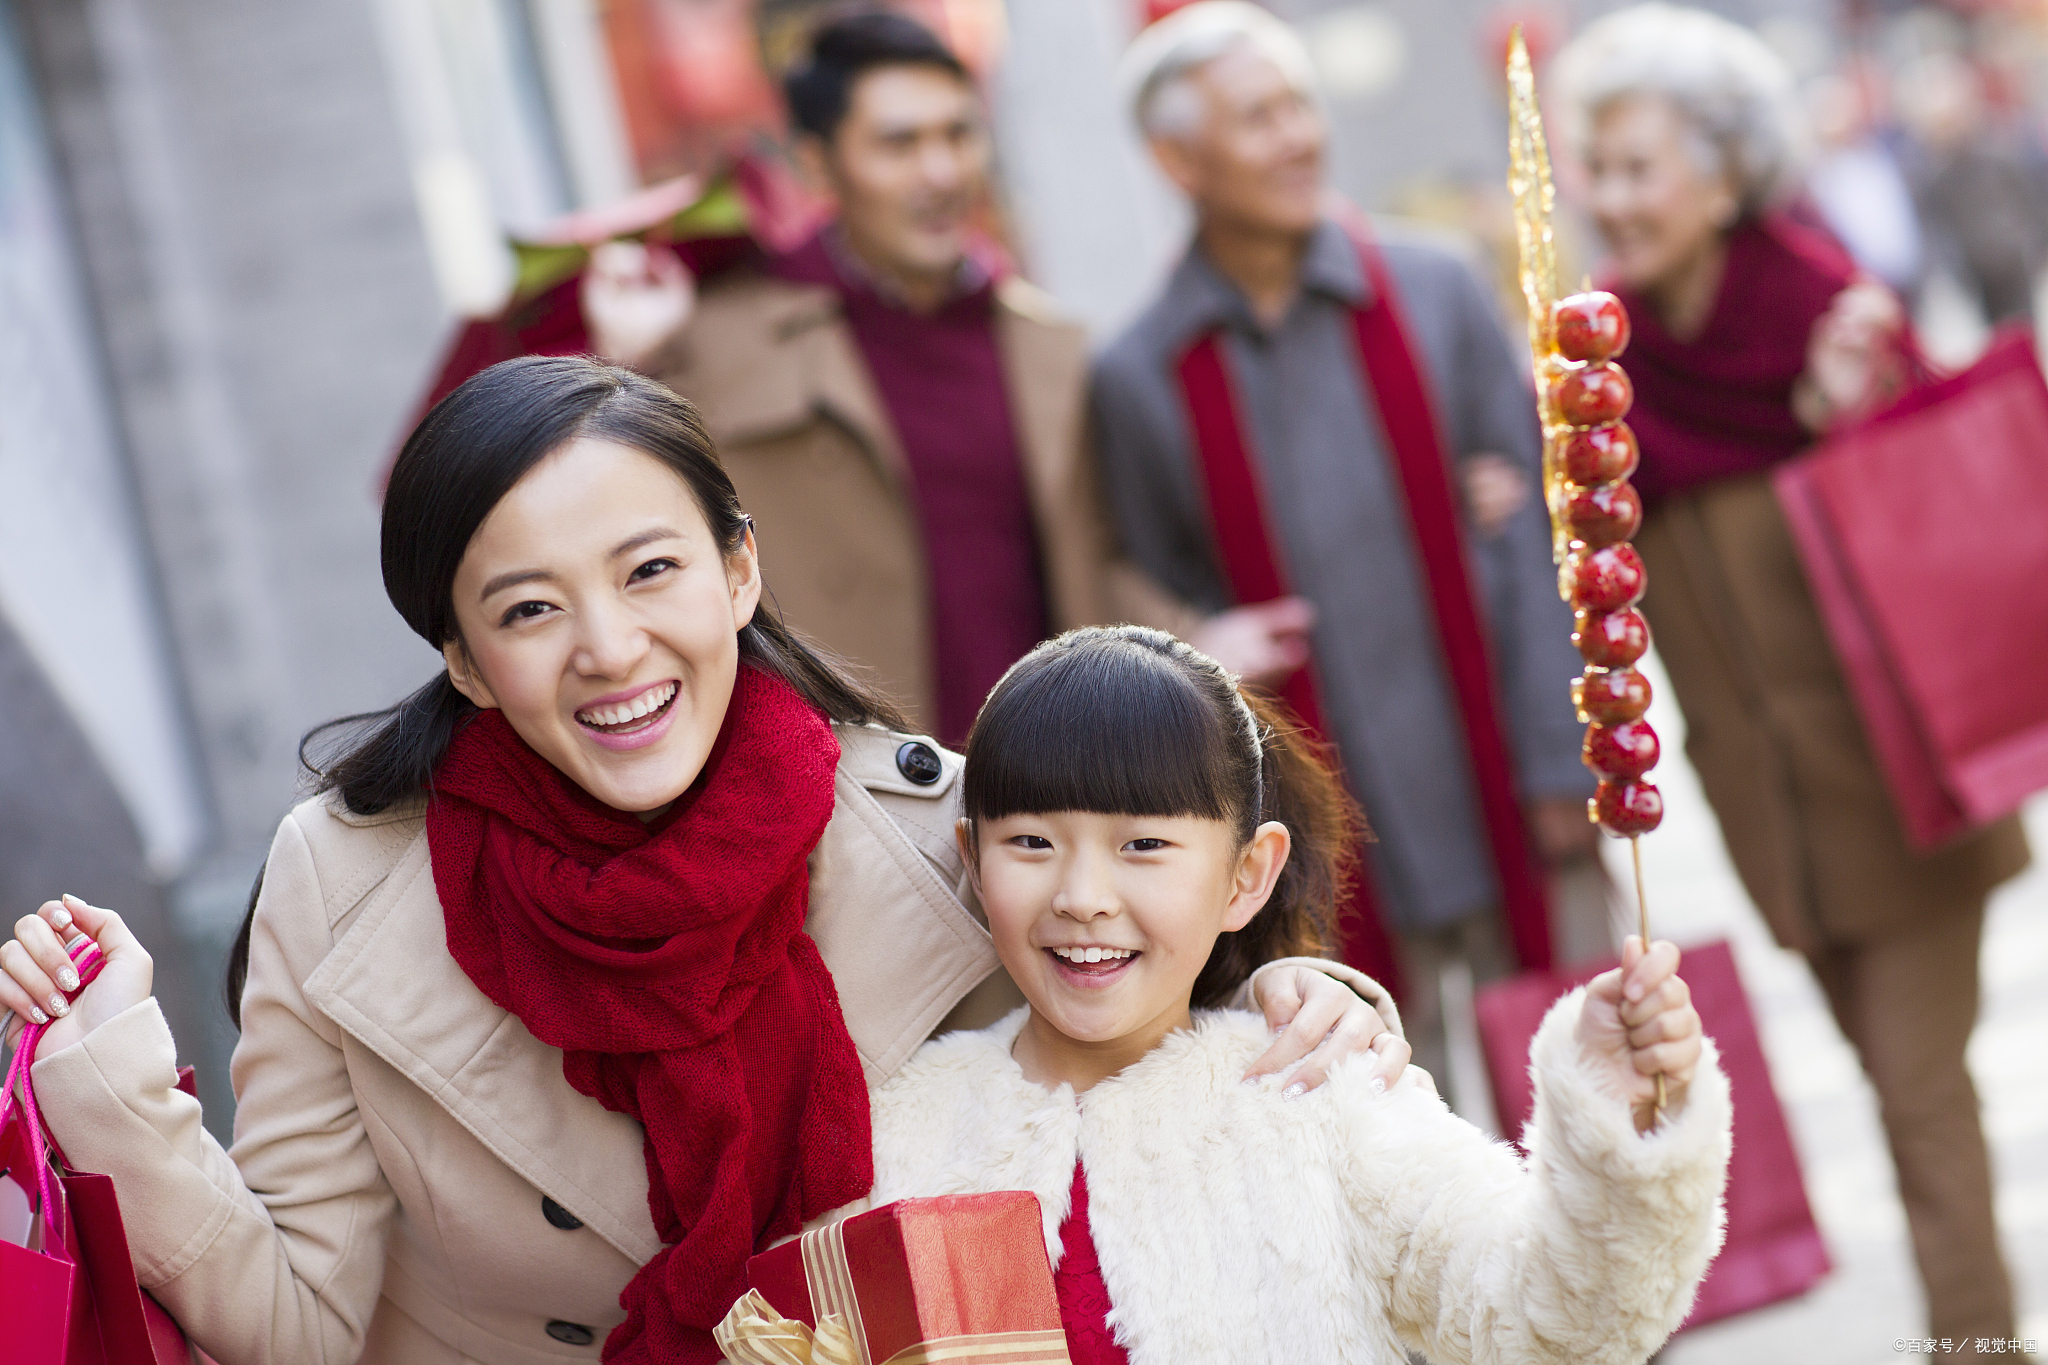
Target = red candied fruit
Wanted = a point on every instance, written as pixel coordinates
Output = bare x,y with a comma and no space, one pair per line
1606,579
1594,395
1600,455
1610,696
1626,809
1590,326
1621,751
1601,516
1611,639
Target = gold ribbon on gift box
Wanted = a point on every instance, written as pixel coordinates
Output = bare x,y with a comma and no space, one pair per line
753,1333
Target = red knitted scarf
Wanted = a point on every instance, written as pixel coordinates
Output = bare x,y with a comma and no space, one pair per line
669,963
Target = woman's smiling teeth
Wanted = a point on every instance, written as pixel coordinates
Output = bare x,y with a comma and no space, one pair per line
625,716
1093,954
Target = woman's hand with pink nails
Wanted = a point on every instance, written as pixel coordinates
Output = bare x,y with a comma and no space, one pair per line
1321,1021
37,978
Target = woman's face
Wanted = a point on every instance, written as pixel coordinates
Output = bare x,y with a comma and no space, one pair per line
598,614
1656,206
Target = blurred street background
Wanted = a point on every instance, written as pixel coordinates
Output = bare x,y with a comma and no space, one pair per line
236,239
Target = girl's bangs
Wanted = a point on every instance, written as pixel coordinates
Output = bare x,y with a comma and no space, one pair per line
1107,727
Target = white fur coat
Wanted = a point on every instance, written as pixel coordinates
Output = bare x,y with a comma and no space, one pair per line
1236,1226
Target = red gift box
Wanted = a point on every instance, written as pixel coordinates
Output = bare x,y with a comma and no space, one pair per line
958,1278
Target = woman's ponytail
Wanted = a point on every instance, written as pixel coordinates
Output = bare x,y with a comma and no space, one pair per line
385,757
1297,786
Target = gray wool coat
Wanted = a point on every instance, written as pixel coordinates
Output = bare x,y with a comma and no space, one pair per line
1344,536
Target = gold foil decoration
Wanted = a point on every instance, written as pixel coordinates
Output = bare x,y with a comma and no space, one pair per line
1535,196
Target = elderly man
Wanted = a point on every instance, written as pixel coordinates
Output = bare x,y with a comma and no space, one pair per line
1298,414
906,423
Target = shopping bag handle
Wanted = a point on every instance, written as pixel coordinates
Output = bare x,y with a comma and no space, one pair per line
20,1091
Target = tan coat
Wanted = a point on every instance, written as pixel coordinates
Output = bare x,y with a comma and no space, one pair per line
803,431
1775,735
397,1132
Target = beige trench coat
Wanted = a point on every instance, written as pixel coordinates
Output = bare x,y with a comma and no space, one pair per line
801,428
406,1152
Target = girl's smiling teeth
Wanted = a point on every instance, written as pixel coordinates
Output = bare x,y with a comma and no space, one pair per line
627,716
1093,954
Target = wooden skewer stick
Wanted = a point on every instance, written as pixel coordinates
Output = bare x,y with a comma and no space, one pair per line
1635,849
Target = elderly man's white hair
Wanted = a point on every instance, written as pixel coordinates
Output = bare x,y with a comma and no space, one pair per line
1155,71
1733,90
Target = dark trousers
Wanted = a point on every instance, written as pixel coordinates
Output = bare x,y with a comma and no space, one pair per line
1907,1002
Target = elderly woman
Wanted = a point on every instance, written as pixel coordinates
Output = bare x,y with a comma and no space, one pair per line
1754,335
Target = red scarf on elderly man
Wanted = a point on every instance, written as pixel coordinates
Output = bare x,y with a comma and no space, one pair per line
668,962
1248,553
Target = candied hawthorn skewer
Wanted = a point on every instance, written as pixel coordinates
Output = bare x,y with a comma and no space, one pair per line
1598,510
1588,454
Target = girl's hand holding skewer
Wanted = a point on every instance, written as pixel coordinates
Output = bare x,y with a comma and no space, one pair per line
1638,1023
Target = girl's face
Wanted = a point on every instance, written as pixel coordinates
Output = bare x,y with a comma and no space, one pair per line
598,614
1105,921
1656,205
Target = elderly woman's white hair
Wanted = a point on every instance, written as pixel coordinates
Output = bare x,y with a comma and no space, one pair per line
1154,72
1731,88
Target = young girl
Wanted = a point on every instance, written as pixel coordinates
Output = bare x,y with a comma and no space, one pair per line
1142,833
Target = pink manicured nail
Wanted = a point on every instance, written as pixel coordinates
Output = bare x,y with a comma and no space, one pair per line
1294,1092
61,918
67,977
36,1016
58,1007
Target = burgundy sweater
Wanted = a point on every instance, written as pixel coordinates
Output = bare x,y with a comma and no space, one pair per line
940,376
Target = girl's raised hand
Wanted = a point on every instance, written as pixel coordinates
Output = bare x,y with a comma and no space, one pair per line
36,974
1639,1023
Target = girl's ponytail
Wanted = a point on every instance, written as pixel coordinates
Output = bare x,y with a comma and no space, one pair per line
1299,787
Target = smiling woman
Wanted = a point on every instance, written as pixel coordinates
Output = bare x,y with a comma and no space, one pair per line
563,994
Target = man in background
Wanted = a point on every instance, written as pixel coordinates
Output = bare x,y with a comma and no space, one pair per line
1305,411
905,421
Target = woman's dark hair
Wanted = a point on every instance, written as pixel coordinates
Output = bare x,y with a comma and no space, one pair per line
461,460
1124,720
820,90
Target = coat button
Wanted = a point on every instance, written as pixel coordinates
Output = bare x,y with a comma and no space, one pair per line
920,763
559,1216
571,1333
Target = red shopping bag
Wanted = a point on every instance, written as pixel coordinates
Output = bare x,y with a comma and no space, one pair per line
1924,535
68,1294
1773,1250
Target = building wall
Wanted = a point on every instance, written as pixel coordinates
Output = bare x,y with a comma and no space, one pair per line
254,261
